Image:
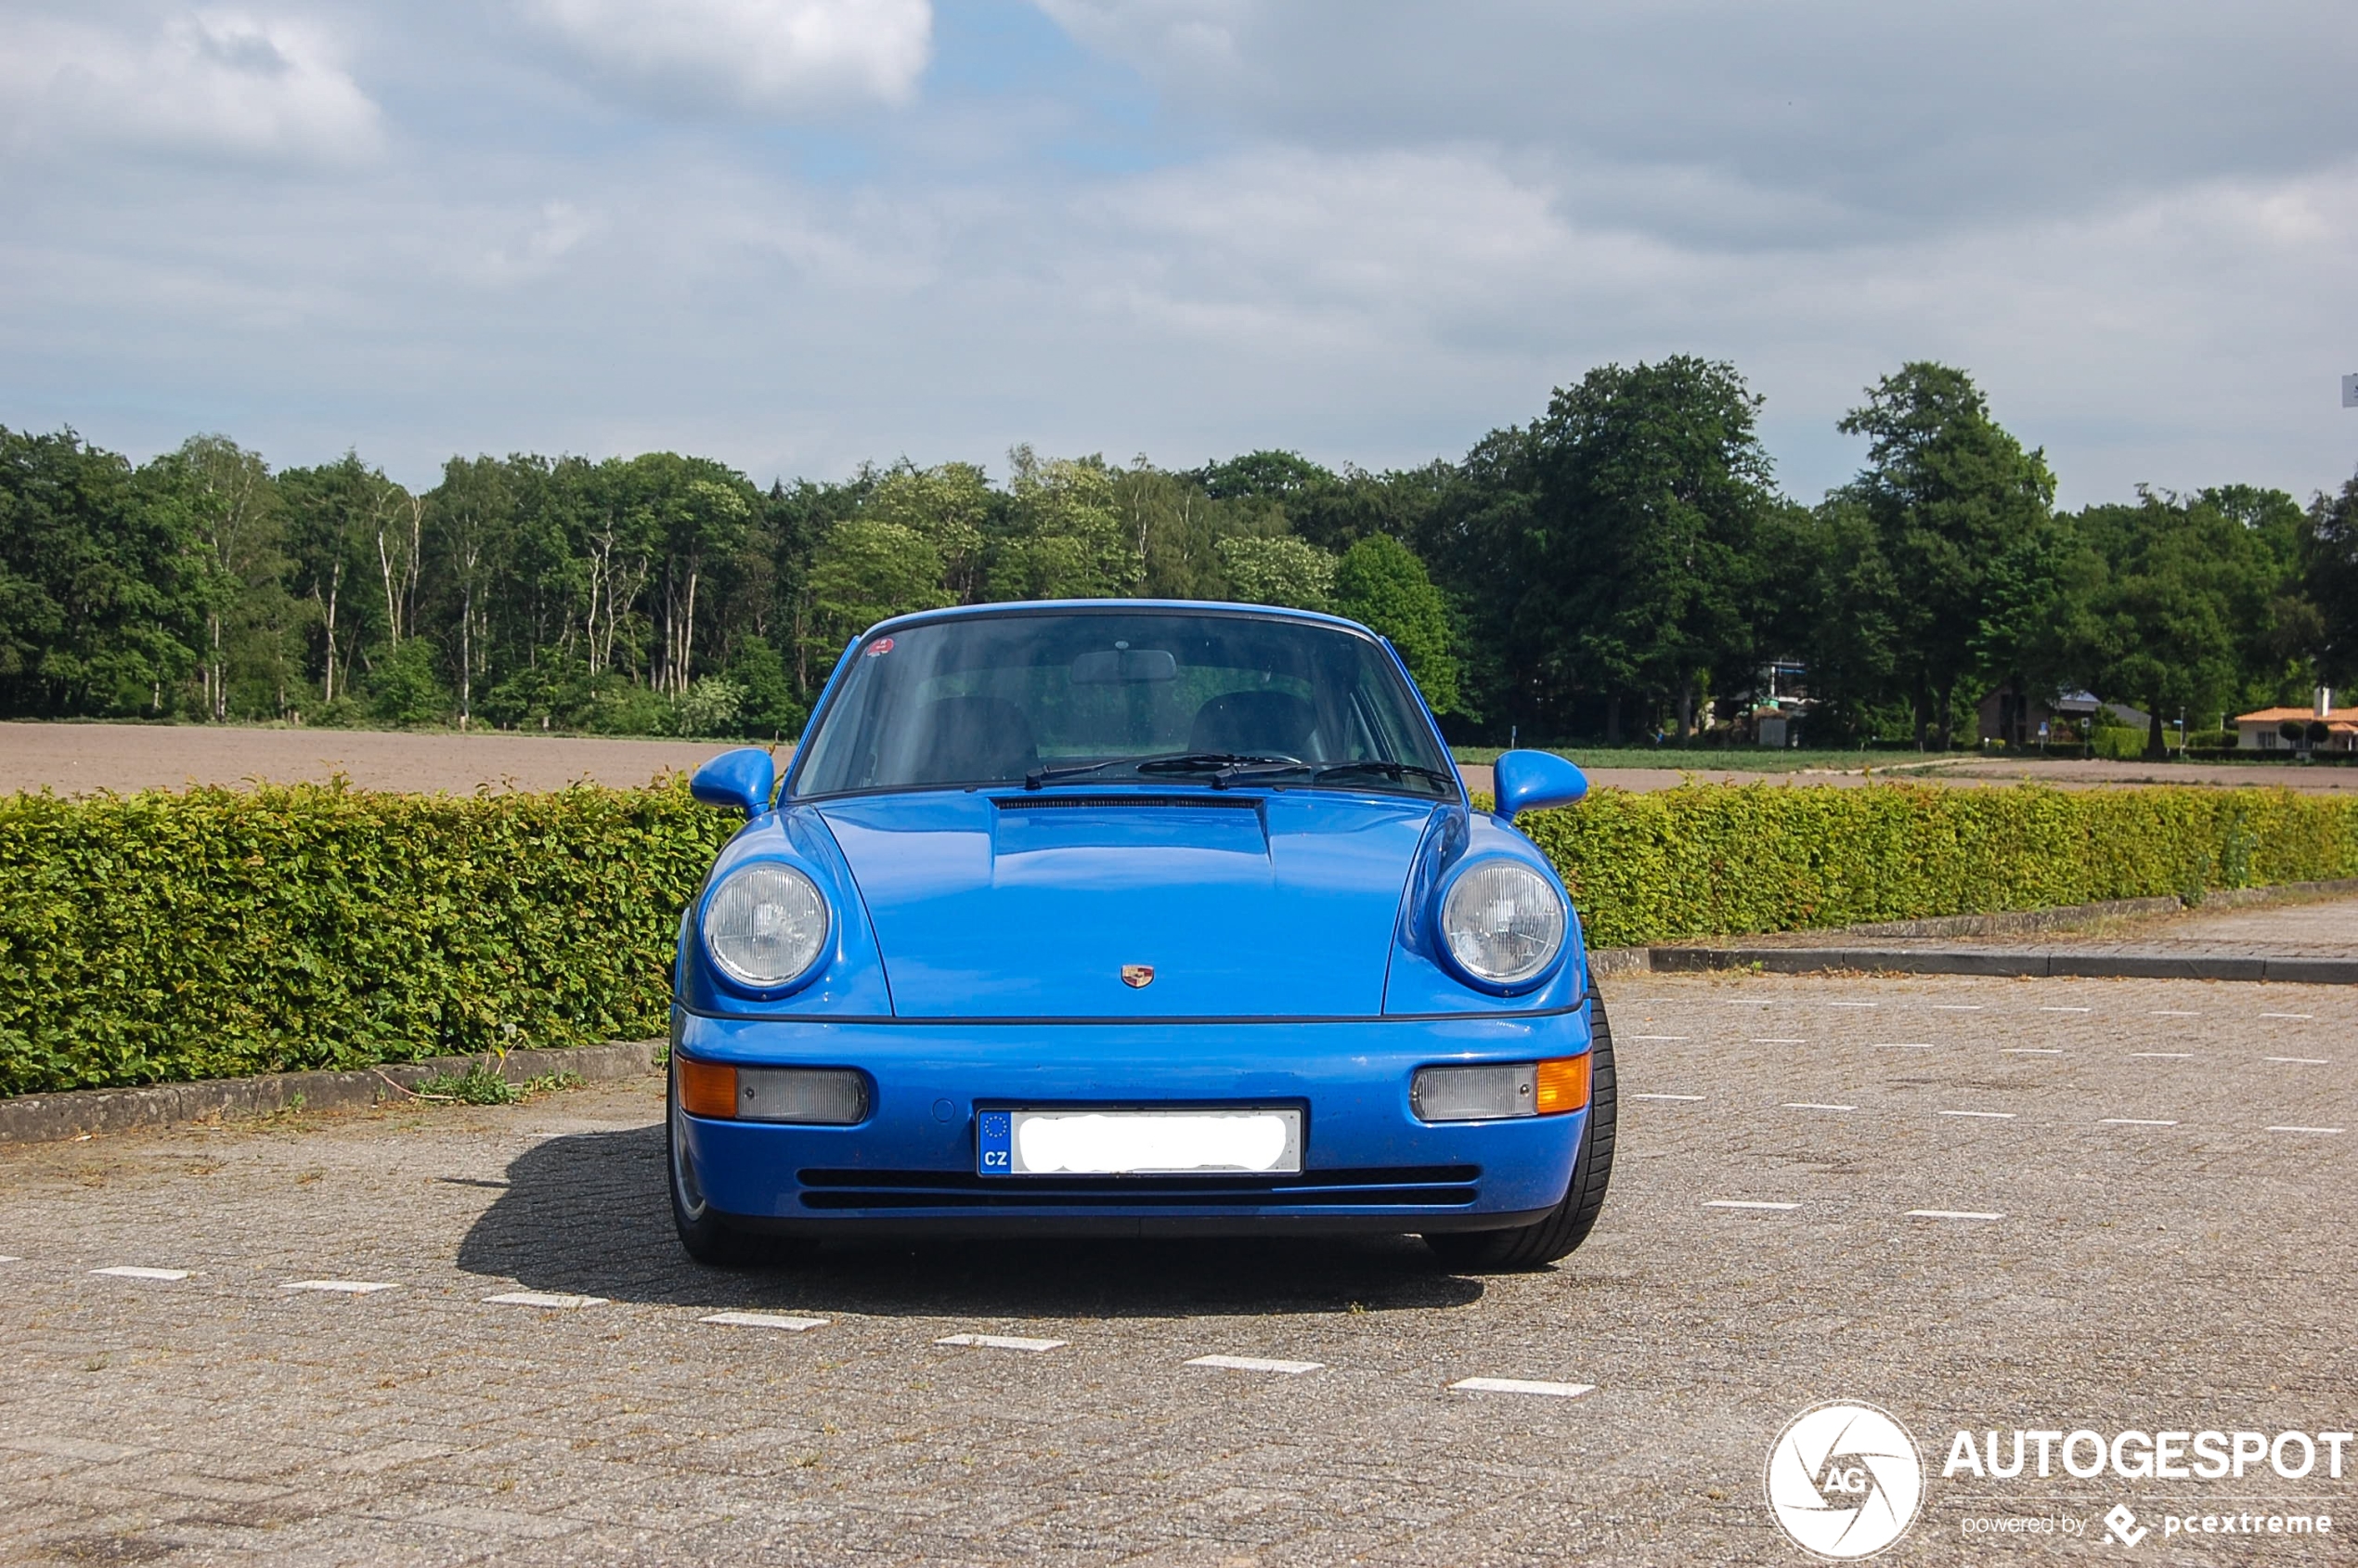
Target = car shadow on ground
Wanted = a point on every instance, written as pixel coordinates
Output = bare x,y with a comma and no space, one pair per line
586,1214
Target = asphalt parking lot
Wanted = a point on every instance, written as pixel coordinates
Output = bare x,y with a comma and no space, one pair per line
1978,1204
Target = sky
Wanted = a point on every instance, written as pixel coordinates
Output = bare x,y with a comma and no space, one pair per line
796,235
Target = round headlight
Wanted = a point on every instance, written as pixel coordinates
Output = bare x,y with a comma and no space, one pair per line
765,926
1503,922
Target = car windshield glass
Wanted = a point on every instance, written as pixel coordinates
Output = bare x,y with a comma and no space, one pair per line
1172,697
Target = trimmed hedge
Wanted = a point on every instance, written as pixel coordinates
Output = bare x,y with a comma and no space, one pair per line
1720,860
218,933
160,937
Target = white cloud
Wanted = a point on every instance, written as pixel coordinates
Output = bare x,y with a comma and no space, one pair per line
1834,119
769,57
198,83
1379,279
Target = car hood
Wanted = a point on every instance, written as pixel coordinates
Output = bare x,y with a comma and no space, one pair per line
1243,905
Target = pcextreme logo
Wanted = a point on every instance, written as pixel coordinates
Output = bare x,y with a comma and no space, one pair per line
1845,1480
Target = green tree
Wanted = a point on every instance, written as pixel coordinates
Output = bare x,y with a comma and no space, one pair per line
1950,494
1632,567
793,523
770,711
1178,529
469,521
2329,545
1279,571
1066,538
229,511
1381,584
1283,477
949,506
867,572
338,517
2181,615
407,688
100,589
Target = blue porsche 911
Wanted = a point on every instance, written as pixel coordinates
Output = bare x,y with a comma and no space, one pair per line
1121,918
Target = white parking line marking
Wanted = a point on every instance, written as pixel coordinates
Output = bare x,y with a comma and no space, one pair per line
1666,1097
1256,1364
2131,1122
1953,1214
1002,1342
2162,1055
1992,1115
127,1272
2066,1009
1654,1037
347,1286
1524,1385
1958,1007
1746,1203
2029,1051
2299,1061
1763,1041
11,1258
1901,1046
542,1299
2167,1013
2303,1016
1812,1105
765,1320
2304,1129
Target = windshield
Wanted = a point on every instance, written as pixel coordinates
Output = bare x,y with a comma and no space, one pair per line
1123,695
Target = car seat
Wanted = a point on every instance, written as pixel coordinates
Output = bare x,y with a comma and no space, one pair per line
972,740
1255,724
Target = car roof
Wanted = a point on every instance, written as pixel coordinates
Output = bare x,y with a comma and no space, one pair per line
1046,606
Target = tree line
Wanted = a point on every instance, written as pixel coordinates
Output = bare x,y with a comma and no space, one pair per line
1624,564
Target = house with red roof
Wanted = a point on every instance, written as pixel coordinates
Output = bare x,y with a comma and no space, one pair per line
2319,727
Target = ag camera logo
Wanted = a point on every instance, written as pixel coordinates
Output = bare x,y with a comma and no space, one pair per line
1845,1480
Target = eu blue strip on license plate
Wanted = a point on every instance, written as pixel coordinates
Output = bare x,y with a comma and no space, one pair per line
996,1145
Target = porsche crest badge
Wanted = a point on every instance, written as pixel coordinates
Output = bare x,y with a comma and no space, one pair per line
1137,976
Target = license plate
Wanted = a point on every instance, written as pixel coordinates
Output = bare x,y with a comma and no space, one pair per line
1138,1142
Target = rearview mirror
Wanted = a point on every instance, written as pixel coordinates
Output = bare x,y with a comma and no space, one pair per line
1533,780
1109,667
744,778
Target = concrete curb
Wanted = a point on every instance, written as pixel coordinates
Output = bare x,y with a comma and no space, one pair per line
2131,966
2160,964
51,1118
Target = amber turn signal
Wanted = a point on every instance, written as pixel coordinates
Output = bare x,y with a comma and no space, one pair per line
1563,1086
709,1088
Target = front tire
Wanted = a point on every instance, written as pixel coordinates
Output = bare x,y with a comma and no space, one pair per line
704,1233
1568,1224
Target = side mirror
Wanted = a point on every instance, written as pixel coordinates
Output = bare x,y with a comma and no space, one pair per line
1533,780
744,778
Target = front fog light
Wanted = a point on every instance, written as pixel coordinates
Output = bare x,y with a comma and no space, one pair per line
1475,1094
814,1096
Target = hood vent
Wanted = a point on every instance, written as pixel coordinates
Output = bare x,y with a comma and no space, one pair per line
1204,802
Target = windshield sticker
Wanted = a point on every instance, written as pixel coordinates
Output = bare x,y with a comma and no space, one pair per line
881,645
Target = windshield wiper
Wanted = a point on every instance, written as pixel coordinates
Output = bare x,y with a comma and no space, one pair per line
1160,763
1391,769
1227,767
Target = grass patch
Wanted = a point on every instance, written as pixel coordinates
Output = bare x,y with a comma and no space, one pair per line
484,1083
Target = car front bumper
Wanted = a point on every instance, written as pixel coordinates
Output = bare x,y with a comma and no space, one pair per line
1369,1164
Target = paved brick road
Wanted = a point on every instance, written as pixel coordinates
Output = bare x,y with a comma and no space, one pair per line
2167,1257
